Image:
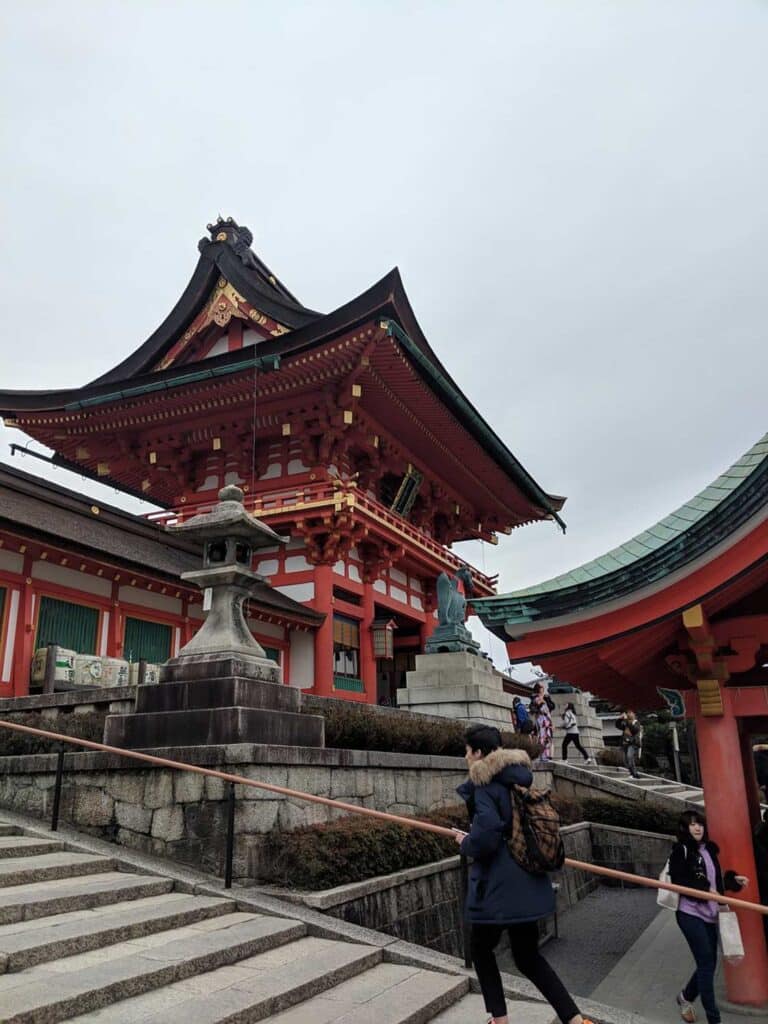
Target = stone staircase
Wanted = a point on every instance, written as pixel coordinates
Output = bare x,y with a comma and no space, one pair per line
618,782
87,938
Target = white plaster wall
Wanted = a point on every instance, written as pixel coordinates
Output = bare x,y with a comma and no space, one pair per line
10,636
268,567
298,591
266,629
71,578
302,660
104,635
149,599
297,563
11,562
398,595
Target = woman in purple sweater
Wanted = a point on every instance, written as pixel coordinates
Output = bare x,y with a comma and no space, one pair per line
694,863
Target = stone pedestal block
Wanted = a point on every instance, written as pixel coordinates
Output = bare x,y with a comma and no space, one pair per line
457,685
222,710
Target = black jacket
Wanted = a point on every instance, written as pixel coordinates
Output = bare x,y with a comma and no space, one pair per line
630,731
500,891
686,867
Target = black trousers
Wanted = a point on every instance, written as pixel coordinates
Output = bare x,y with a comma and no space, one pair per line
573,738
524,942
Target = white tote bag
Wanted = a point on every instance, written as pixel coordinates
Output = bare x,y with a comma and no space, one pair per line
665,898
730,936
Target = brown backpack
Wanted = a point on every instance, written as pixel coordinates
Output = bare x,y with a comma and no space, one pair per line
534,838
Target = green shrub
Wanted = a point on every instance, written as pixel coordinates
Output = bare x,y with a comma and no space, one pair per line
635,814
611,756
353,849
362,727
85,727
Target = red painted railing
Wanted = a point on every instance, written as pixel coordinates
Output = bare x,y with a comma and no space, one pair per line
297,499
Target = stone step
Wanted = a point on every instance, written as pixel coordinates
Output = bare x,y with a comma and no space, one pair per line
387,994
253,989
60,896
9,830
88,981
472,1008
21,870
27,846
28,943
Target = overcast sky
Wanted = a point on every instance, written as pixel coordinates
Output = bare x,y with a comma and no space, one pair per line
575,194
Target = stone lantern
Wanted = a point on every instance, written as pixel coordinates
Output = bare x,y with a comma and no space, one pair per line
221,688
224,644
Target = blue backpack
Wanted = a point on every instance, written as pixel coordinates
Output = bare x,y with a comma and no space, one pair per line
524,723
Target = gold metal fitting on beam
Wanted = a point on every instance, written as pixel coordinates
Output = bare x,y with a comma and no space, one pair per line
710,697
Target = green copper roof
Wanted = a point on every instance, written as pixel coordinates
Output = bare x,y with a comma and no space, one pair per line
679,538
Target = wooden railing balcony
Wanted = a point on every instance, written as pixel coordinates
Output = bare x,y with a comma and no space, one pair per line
285,503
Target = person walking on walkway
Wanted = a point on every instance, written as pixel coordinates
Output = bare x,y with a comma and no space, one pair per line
541,706
629,727
502,896
694,862
571,726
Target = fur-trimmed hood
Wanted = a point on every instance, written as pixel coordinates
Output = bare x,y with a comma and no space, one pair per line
484,771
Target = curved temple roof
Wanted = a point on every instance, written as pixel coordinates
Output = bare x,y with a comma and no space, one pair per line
684,536
227,254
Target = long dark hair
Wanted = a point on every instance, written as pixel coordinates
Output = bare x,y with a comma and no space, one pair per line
570,706
688,818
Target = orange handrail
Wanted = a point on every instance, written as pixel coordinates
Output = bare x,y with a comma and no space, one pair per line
580,865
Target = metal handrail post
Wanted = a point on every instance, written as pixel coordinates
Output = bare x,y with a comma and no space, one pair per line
466,927
230,836
57,790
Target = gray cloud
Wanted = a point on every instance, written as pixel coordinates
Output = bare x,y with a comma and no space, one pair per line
575,194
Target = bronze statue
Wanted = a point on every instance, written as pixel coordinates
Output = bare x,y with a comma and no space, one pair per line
451,603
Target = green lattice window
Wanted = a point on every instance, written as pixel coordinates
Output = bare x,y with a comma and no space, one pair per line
349,684
72,626
147,641
273,653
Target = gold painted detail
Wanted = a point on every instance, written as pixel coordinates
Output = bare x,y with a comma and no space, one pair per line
710,697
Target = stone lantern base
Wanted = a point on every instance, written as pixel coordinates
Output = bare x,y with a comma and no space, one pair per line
215,701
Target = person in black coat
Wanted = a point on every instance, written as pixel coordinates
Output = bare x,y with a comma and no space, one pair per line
694,862
501,894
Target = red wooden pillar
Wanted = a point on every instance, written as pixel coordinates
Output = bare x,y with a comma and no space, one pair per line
750,774
427,629
324,636
24,641
367,660
725,798
115,632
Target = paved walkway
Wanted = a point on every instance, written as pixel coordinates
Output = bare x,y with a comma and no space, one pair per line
646,979
594,935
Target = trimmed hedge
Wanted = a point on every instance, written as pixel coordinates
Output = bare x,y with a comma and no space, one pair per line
84,727
353,848
361,727
645,816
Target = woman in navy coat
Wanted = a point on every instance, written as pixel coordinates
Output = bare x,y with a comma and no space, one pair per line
502,895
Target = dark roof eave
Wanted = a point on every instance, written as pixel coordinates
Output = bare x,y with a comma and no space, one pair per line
472,419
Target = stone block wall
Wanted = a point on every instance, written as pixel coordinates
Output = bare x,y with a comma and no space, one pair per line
642,853
183,816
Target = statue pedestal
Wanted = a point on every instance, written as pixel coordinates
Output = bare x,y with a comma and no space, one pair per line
458,685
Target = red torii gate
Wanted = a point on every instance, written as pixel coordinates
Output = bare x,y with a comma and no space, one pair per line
683,605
